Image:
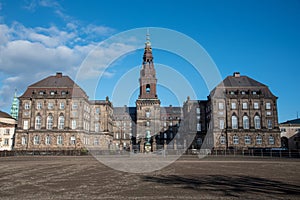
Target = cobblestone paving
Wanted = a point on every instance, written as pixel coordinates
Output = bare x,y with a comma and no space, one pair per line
42,177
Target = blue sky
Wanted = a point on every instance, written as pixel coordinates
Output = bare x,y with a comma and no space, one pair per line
260,39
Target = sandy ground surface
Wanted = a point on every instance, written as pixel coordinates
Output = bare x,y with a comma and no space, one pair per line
58,177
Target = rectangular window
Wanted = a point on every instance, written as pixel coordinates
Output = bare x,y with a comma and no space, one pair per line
117,135
198,127
59,140
36,140
24,140
198,111
74,105
61,105
221,125
97,127
73,124
27,106
147,123
233,105
247,139
269,121
50,106
72,140
245,105
97,110
6,131
25,124
222,140
39,105
268,105
96,141
269,113
221,105
147,114
48,140
256,105
235,139
165,124
6,141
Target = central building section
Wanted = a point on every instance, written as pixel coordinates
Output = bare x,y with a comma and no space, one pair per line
147,104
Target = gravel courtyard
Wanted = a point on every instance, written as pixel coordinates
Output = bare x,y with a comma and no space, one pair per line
62,177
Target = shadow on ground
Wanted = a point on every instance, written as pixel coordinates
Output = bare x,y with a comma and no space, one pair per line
228,186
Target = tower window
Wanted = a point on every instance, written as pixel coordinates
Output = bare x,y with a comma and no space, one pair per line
147,88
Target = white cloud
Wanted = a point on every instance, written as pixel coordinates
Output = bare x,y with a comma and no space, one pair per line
28,54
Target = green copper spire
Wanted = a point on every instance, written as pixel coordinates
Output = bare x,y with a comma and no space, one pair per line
15,106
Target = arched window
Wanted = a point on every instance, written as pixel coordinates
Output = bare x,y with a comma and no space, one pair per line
258,139
38,122
222,139
36,140
48,140
245,122
234,122
257,122
147,88
235,139
61,122
271,140
49,122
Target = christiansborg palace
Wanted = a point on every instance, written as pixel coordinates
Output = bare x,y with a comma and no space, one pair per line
56,114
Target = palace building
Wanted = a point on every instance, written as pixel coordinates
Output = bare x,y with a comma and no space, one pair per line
56,114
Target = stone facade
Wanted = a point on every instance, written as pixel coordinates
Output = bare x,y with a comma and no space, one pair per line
55,113
290,134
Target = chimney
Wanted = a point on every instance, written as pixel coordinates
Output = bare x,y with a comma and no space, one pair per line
58,74
236,74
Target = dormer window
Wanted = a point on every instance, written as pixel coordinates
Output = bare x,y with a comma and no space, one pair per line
52,93
41,92
243,92
63,93
254,92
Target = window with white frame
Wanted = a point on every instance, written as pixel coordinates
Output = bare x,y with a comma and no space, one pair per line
245,122
61,122
222,139
268,105
198,111
50,105
97,127
257,122
221,105
38,122
258,139
271,140
25,124
198,127
72,140
234,122
96,141
73,124
269,122
48,140
50,122
74,105
147,114
39,105
26,106
221,124
117,135
245,105
256,105
24,140
269,113
6,142
247,139
36,140
61,105
233,105
235,139
124,135
59,140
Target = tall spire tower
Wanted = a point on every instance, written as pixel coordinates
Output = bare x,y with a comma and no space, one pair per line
147,104
15,106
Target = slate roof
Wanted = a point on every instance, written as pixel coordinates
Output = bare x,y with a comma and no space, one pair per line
240,82
294,121
5,115
57,82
